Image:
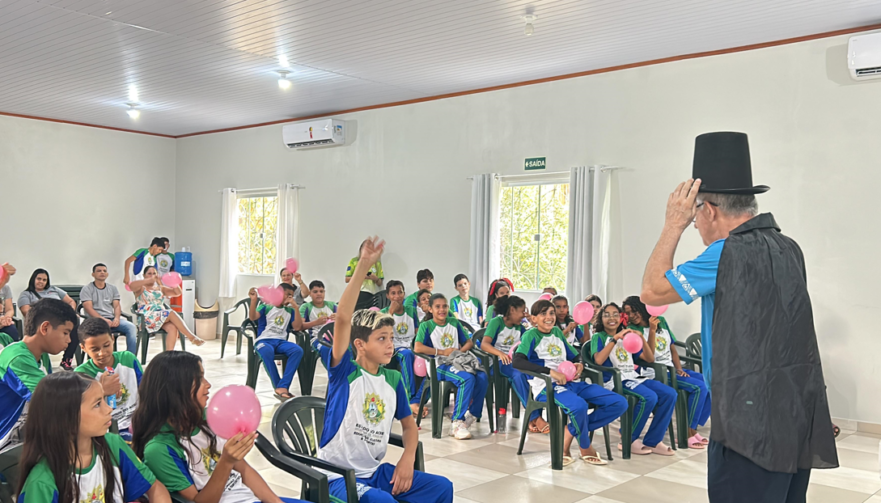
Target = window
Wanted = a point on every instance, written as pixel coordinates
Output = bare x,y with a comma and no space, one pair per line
258,219
534,235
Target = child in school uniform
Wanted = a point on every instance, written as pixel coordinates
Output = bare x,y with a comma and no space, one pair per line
590,327
659,336
68,454
573,331
465,307
542,349
422,309
173,438
439,335
364,396
273,323
318,312
424,281
499,288
47,330
406,322
607,349
124,378
501,335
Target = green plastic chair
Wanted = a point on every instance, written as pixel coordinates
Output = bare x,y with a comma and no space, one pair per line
19,324
296,429
249,332
144,336
10,472
556,418
238,329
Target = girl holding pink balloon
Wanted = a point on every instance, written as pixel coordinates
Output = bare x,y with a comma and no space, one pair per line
659,336
150,293
188,453
544,350
616,347
500,339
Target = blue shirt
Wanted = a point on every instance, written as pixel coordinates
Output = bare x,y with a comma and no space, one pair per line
696,279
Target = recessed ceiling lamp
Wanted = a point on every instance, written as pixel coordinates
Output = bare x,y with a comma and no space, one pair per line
530,19
133,93
133,112
283,81
283,61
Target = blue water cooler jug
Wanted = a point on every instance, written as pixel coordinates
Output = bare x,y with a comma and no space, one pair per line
183,262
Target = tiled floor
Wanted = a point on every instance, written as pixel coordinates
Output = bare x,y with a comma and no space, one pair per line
487,468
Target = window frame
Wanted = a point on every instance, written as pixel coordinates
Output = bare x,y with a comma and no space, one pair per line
529,180
254,194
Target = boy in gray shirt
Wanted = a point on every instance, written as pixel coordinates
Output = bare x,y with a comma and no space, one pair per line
101,300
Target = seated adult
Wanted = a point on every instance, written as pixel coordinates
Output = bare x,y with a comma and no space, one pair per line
7,325
101,300
299,287
40,288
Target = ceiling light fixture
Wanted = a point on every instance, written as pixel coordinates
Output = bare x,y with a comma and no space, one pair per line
133,93
133,112
283,61
530,29
283,82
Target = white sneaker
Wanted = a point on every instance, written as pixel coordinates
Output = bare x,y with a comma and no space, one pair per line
469,420
462,433
454,428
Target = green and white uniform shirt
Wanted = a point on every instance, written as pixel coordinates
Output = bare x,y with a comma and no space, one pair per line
133,478
20,373
619,358
273,322
504,337
310,312
180,465
664,340
548,350
358,418
405,326
126,366
470,311
164,263
446,336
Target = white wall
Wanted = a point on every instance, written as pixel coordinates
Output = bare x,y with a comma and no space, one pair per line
814,137
73,196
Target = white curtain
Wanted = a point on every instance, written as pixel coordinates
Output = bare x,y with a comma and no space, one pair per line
288,232
229,235
590,204
484,253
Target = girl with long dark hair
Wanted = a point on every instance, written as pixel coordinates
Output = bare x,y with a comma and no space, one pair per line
499,288
39,287
68,454
170,433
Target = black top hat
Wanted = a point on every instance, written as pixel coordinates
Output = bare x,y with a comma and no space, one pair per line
721,161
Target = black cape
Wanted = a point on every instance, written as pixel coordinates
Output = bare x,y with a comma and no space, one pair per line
769,396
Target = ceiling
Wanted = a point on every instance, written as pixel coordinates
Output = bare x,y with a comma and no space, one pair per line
201,65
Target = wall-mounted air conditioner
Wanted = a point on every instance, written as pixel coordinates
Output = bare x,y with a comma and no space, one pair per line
316,133
864,56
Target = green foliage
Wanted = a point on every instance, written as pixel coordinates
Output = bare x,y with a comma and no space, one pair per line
258,220
524,212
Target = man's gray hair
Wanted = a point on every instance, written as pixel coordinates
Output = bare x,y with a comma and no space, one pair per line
732,204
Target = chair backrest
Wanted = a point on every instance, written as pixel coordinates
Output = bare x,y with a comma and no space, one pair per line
477,337
9,468
693,345
297,425
467,326
325,335
380,299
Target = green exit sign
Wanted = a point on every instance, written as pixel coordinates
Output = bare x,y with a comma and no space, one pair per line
532,163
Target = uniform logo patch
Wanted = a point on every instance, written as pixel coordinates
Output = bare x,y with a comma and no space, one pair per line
621,353
374,408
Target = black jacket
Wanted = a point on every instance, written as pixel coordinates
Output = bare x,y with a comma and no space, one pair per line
769,396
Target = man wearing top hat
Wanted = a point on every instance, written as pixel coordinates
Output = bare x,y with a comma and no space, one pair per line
770,418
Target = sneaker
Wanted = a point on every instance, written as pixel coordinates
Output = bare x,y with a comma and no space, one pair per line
462,432
469,420
66,364
454,428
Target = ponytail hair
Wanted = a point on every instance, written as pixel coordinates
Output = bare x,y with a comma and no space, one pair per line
494,289
428,315
503,305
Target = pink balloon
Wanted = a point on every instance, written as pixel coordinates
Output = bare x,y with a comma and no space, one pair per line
291,265
582,313
2,273
567,368
128,288
656,310
545,296
512,350
374,308
172,279
271,295
632,343
419,367
232,410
